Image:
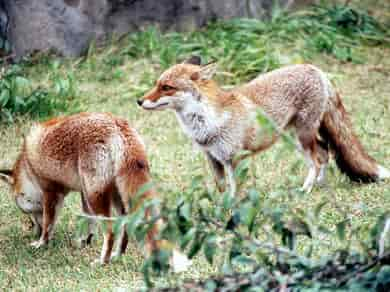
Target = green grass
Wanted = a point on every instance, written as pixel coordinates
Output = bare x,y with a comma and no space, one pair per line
112,78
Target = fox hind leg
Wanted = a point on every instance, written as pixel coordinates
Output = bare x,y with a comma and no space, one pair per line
123,239
309,147
100,204
86,239
323,157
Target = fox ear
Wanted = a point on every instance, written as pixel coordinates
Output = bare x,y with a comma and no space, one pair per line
206,72
194,60
6,175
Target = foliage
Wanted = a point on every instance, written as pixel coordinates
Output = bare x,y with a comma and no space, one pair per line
242,47
334,30
255,243
18,97
236,51
245,46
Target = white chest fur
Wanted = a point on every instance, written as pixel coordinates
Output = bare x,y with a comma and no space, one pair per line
214,132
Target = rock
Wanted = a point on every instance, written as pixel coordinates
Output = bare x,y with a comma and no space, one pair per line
40,25
3,29
68,26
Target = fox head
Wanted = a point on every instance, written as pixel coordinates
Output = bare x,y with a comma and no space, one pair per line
178,84
25,191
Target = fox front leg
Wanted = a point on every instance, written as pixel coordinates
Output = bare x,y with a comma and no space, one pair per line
36,219
229,170
218,171
51,204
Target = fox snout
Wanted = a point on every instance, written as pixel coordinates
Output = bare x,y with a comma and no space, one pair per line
155,99
151,96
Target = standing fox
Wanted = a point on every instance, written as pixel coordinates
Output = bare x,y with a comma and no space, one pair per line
99,155
223,123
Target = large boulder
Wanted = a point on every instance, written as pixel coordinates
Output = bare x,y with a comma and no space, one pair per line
68,26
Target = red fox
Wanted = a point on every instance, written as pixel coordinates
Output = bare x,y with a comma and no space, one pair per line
97,154
223,122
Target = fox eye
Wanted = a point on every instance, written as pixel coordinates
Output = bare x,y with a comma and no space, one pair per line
167,87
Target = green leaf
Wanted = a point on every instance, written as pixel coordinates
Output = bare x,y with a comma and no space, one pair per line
196,244
340,229
4,97
250,218
318,208
143,189
324,229
134,220
185,240
146,272
210,285
210,247
241,171
243,260
227,201
248,214
233,221
254,196
185,211
117,226
82,226
227,266
196,183
21,84
8,115
160,261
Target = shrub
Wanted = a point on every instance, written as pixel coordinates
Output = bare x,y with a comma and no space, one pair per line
18,97
254,239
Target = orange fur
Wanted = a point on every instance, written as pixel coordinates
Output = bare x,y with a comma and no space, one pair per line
99,155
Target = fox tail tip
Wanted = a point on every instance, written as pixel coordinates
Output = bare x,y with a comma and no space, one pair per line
383,173
180,262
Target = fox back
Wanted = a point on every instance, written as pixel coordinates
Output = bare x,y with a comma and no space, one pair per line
99,155
223,122
85,152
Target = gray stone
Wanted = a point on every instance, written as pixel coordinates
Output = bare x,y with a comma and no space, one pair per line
68,26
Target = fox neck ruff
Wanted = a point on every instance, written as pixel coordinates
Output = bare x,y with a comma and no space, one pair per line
214,131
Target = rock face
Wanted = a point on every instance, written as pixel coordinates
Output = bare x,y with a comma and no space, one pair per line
68,26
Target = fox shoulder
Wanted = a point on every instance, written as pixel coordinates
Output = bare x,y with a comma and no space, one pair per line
33,139
227,100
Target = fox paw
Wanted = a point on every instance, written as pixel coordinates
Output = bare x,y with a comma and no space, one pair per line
99,262
306,190
37,244
115,256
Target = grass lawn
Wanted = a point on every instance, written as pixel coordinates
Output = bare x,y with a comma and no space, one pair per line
110,80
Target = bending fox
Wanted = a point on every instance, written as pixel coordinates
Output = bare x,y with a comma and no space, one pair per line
99,155
223,122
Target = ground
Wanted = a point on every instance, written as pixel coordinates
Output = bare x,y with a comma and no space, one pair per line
365,91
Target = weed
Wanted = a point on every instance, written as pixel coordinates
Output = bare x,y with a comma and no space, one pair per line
18,97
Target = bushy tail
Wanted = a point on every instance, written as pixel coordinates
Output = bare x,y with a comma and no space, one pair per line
351,158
